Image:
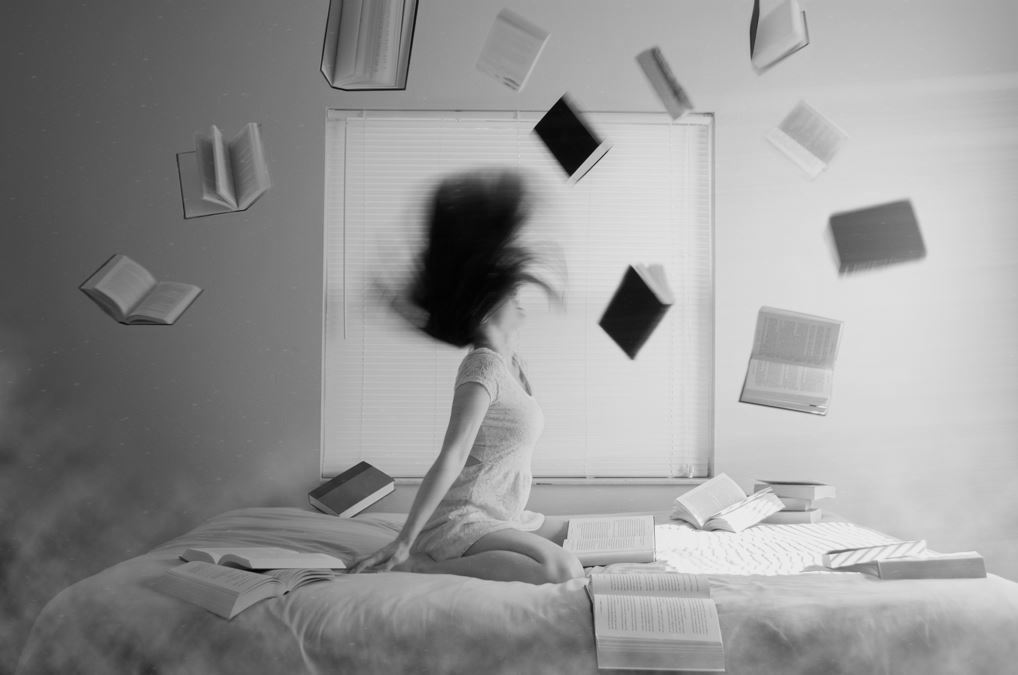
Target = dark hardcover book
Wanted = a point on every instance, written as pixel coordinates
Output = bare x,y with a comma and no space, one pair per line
352,491
570,139
878,235
639,304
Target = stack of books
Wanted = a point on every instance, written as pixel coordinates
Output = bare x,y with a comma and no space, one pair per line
800,499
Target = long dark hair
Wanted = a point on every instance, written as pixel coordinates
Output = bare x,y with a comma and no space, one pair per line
473,259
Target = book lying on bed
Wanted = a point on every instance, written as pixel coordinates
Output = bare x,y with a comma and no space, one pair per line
844,557
262,557
800,499
228,591
656,621
965,565
720,504
792,364
352,491
129,293
605,540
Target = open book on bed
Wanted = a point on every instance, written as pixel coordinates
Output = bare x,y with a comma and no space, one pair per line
603,540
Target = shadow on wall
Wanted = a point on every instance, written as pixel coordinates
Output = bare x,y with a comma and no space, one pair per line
76,496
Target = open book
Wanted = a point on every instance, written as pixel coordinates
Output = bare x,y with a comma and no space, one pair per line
653,621
611,539
221,176
792,364
129,293
228,591
367,43
637,307
262,557
780,33
720,504
512,49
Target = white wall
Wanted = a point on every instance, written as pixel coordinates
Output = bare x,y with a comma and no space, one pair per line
114,438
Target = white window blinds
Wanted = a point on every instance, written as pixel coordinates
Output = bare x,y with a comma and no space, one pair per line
387,388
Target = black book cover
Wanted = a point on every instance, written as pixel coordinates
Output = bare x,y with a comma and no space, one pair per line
352,491
878,235
633,313
569,139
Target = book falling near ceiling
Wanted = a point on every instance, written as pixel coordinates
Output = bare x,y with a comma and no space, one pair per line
512,49
367,43
780,33
655,621
876,236
570,139
792,364
129,293
351,491
611,539
223,177
637,307
665,85
807,138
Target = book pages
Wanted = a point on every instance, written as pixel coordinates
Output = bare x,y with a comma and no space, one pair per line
807,138
512,49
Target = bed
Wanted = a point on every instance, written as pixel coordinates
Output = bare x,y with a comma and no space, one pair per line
778,614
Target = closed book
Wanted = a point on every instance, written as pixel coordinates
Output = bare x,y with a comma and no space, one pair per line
876,236
637,307
777,35
797,489
967,565
570,139
790,517
846,557
352,491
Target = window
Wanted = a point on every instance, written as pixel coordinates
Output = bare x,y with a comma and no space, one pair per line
387,388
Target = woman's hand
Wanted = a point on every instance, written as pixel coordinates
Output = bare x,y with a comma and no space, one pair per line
384,559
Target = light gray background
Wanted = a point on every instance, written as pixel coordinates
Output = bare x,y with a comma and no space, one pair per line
114,438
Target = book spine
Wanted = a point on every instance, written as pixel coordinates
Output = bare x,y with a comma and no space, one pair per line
855,556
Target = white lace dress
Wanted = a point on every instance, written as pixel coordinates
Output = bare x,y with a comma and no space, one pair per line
492,490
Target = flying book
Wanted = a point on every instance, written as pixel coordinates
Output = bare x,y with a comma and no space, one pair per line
965,565
352,491
779,34
228,591
611,539
792,364
262,557
807,138
221,176
656,621
661,78
720,504
512,49
129,293
637,307
367,43
570,139
876,236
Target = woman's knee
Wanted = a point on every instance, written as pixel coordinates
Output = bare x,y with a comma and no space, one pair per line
562,567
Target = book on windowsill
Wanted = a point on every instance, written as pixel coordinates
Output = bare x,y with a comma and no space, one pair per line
512,49
352,491
876,236
570,139
222,176
665,85
965,565
128,292
637,307
228,591
656,621
777,35
807,138
262,557
792,363
367,43
720,504
604,540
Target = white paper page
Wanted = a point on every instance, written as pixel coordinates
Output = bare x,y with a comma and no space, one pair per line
807,138
166,301
797,338
779,32
512,49
610,534
247,159
218,576
708,498
678,618
755,508
778,376
126,282
651,583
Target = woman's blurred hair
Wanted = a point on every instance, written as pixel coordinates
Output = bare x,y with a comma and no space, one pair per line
473,258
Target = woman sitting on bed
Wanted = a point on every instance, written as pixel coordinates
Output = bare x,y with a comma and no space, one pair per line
469,514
